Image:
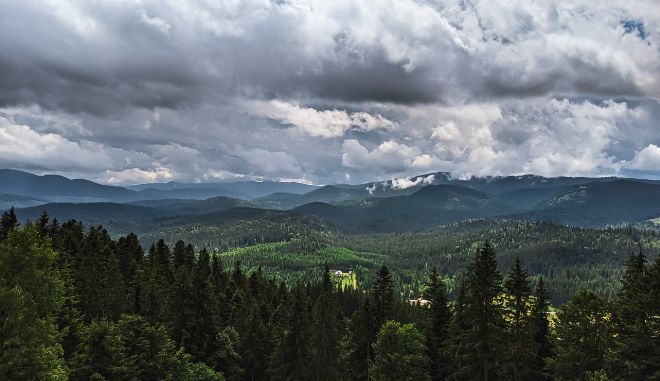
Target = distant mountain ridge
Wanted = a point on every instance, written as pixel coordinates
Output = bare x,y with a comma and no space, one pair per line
398,205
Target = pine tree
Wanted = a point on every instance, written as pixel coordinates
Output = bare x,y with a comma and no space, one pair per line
438,330
520,354
383,296
583,337
326,332
541,330
476,350
400,354
31,295
357,351
157,286
101,355
130,254
203,327
99,280
7,223
636,347
256,345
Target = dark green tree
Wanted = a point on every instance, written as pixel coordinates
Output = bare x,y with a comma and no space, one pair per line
326,332
438,329
400,353
383,294
518,359
477,348
356,345
583,337
541,330
8,222
637,343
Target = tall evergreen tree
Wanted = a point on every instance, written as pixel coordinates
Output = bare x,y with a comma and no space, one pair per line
357,352
8,222
203,327
438,330
31,294
637,344
326,332
400,354
583,337
520,354
477,347
541,330
383,296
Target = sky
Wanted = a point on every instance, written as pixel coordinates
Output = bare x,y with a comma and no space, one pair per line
130,91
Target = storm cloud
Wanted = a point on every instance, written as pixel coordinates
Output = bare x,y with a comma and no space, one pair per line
342,91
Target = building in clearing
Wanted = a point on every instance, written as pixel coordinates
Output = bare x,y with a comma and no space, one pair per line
419,302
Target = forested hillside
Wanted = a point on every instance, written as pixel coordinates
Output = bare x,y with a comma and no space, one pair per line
79,305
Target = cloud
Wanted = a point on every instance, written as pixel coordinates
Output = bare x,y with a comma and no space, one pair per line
20,145
405,183
390,156
328,91
319,123
138,176
648,159
153,22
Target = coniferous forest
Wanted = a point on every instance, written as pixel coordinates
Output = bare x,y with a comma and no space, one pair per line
77,304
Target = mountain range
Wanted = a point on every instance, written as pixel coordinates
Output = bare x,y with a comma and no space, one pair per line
397,205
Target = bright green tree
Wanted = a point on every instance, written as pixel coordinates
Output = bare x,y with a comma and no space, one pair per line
31,294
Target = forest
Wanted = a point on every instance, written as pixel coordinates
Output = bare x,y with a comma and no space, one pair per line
77,304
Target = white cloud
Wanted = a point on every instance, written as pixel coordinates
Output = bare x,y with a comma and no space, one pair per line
138,176
20,145
405,183
153,22
648,159
389,156
319,123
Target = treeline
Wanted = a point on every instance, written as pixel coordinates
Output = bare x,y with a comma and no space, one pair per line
76,304
568,258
